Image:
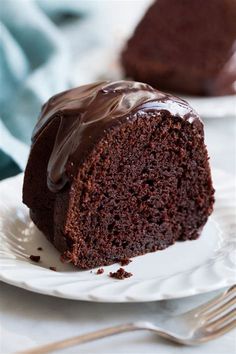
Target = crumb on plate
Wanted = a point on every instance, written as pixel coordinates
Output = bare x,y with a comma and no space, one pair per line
34,258
120,274
100,271
53,268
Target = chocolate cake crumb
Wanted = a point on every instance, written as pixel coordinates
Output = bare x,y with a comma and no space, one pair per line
39,249
53,268
34,258
120,274
125,261
100,271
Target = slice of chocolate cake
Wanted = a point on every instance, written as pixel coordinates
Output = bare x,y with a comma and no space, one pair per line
117,170
185,46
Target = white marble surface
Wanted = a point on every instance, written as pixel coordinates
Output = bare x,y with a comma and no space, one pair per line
29,319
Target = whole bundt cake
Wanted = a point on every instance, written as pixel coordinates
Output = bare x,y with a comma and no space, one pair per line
116,170
186,46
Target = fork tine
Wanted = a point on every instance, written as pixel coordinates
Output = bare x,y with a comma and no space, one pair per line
214,302
221,321
228,327
212,313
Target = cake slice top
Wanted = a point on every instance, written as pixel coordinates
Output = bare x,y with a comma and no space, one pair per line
85,113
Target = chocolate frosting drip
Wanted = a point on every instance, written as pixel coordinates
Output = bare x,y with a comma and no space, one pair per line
86,112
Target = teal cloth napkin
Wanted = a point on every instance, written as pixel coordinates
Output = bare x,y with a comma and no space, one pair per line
34,65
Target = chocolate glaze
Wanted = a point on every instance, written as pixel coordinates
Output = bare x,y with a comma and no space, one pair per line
86,112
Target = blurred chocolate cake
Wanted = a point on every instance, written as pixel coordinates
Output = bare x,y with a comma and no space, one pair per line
116,170
185,46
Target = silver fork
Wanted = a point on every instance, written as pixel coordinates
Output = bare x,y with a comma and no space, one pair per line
199,325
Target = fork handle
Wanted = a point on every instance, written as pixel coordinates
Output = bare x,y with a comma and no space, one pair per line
106,332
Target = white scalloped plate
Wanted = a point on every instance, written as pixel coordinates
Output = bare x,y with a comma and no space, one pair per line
184,269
